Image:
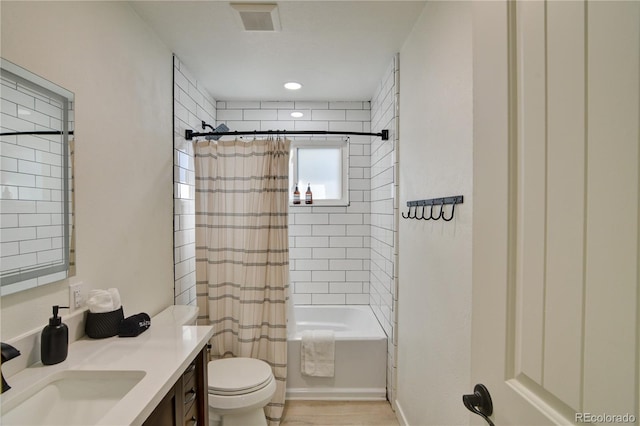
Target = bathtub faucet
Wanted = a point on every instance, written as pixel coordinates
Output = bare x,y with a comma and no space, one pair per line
8,352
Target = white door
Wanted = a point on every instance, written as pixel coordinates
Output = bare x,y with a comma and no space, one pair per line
555,335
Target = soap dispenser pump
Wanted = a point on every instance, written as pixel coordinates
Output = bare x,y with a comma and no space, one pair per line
54,344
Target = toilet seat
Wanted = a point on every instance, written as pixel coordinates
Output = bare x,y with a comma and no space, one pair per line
238,376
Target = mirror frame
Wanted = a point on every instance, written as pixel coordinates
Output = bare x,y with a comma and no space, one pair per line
36,276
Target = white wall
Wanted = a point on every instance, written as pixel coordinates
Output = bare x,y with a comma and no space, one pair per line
434,277
121,76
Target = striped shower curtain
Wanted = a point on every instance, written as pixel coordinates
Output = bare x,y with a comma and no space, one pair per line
242,251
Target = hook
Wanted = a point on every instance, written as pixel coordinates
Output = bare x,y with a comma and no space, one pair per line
415,213
441,210
453,209
421,215
408,216
430,213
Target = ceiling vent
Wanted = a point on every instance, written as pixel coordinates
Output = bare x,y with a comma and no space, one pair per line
257,16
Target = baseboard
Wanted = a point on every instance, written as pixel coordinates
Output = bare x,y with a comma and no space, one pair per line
337,394
400,414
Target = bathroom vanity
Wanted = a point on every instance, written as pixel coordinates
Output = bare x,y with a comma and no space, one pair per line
158,377
186,402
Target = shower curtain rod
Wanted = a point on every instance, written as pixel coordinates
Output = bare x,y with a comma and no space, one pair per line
37,132
190,134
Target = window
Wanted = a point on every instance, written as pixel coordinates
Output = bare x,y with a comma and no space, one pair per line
324,165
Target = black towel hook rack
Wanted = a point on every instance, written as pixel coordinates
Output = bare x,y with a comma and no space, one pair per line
457,199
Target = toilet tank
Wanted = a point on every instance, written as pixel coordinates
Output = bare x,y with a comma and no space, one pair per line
177,315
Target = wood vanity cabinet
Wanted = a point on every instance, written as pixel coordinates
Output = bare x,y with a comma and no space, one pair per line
186,402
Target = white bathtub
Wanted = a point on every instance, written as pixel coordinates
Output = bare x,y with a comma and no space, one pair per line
360,354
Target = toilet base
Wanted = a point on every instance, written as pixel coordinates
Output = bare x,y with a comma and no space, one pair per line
253,417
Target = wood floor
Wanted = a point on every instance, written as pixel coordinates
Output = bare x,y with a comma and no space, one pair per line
332,413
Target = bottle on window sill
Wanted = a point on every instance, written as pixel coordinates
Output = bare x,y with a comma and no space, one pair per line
296,195
308,198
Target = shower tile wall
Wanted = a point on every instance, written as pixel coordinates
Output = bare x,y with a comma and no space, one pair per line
384,214
339,255
191,105
329,246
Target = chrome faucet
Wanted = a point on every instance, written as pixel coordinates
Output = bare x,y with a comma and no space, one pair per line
8,352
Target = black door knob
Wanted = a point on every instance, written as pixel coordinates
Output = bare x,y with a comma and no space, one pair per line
479,402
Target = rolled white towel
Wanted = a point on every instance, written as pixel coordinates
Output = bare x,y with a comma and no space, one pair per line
115,297
100,301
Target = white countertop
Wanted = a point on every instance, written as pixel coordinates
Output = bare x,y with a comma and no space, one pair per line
163,352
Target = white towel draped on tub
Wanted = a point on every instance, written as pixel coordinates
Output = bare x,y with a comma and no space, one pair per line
318,353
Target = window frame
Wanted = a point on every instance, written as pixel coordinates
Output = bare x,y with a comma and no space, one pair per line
297,145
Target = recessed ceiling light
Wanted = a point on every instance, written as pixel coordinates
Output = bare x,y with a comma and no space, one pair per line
297,114
292,85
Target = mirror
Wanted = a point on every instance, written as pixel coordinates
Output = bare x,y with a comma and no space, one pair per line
36,186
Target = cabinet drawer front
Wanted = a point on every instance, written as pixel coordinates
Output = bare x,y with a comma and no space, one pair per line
191,416
190,389
189,372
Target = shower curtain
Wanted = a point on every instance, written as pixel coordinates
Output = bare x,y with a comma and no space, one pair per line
242,251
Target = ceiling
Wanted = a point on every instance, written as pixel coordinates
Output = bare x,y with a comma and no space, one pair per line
338,50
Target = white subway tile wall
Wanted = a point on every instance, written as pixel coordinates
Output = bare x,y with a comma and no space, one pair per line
32,184
329,246
338,255
384,215
192,104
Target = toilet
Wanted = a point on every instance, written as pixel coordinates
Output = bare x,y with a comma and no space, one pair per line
239,388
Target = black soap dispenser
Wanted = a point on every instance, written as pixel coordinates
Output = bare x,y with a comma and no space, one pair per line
54,344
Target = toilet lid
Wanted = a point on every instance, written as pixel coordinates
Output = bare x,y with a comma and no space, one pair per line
237,376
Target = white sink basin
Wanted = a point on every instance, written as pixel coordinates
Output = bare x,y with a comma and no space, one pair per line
70,397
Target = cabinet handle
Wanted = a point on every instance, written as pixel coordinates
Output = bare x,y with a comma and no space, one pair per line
190,398
190,368
194,420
